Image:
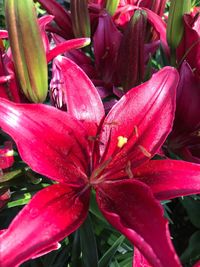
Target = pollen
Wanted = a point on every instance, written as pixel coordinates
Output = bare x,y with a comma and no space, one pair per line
9,153
121,141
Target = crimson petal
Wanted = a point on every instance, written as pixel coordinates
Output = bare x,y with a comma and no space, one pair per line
131,208
52,214
160,26
6,156
46,140
61,16
82,98
170,178
3,34
66,46
139,260
144,116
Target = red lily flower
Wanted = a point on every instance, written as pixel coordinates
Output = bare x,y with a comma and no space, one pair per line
9,87
6,161
185,137
106,40
81,149
189,48
6,156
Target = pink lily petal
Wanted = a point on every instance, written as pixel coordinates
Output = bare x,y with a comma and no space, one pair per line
52,214
50,141
10,89
106,40
139,260
189,47
61,16
131,208
188,91
170,178
197,264
144,116
82,98
79,57
157,6
185,135
4,197
3,34
43,22
123,14
66,46
6,155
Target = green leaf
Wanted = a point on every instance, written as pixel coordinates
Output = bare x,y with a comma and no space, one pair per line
24,199
107,257
76,250
193,249
95,210
9,175
88,244
192,207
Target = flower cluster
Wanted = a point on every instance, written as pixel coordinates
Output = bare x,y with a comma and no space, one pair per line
112,112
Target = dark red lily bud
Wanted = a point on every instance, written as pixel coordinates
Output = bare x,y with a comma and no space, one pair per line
131,53
106,40
80,18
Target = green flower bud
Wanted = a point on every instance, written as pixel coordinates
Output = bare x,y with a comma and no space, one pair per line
175,26
80,18
27,48
111,6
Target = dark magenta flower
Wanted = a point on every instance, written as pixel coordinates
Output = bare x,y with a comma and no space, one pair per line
6,156
189,48
185,137
82,149
6,161
106,41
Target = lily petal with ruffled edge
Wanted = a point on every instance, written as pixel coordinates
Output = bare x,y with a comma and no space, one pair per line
82,98
143,116
55,137
53,213
170,178
131,208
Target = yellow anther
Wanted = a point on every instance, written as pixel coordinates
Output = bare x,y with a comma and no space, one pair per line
9,153
121,141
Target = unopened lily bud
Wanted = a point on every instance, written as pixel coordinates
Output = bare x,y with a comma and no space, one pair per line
111,6
80,18
27,48
175,25
131,53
